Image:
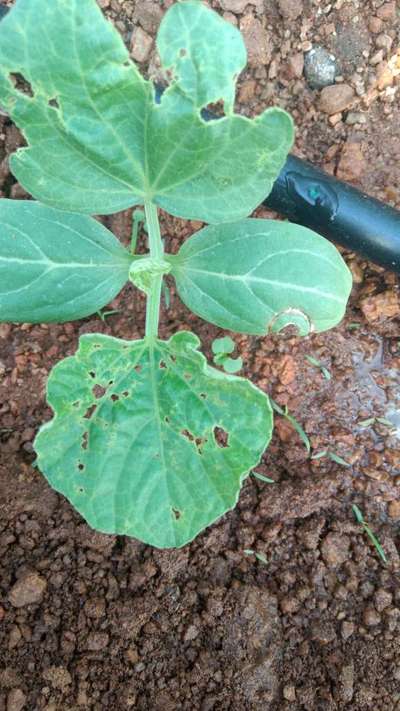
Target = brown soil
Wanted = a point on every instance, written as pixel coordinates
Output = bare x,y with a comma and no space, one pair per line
89,621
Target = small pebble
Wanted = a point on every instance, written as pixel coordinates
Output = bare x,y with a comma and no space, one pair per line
16,700
319,68
27,590
336,98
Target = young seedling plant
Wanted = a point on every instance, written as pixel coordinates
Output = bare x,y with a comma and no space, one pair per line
147,438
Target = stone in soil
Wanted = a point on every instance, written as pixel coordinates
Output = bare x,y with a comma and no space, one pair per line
335,549
141,44
16,700
336,98
319,68
27,590
256,40
290,9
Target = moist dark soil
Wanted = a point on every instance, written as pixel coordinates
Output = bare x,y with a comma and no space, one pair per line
90,621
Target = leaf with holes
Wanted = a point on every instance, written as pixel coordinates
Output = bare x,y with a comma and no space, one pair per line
148,440
256,276
56,266
97,140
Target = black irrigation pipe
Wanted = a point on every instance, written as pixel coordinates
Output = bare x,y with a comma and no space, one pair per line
308,196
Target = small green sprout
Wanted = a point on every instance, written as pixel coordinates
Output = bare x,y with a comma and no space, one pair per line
295,424
377,420
138,218
331,455
260,556
222,347
317,363
263,478
360,518
103,315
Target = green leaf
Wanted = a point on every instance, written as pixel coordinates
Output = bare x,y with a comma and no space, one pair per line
223,345
257,276
97,140
147,439
232,365
56,266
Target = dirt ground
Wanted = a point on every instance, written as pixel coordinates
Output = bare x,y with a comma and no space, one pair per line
89,621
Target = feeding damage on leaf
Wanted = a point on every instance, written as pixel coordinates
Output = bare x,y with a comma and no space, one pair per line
164,152
147,439
148,442
259,276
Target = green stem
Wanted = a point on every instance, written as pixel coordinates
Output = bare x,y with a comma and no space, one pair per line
157,252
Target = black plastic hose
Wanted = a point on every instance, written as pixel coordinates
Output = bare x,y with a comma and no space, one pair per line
308,196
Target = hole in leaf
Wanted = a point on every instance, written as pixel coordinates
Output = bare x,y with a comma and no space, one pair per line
187,376
111,382
213,111
176,513
89,412
173,358
203,396
81,489
114,398
166,419
81,467
76,404
188,435
163,364
126,393
92,373
54,103
85,440
200,441
182,52
137,368
221,437
98,391
22,84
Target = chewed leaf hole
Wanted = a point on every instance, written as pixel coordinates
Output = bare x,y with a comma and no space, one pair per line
162,364
114,398
90,412
92,373
54,104
182,52
187,376
81,467
221,437
76,404
98,391
22,84
137,368
166,419
126,393
203,396
176,514
188,435
85,442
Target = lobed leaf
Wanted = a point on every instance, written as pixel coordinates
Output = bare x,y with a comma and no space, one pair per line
97,140
257,276
56,266
147,439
